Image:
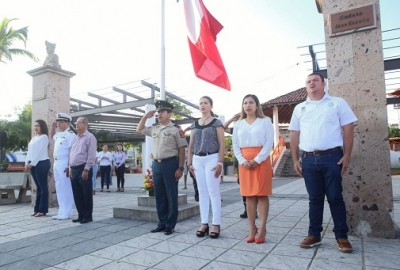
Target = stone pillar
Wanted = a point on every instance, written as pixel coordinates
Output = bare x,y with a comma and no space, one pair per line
356,73
50,95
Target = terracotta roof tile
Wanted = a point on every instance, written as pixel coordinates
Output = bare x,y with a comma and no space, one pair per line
285,105
294,97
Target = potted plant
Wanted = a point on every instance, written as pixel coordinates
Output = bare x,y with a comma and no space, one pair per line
148,183
228,165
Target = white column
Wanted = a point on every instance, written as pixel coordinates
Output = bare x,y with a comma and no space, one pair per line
148,149
222,118
276,125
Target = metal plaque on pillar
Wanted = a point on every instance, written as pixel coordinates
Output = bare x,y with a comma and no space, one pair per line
350,21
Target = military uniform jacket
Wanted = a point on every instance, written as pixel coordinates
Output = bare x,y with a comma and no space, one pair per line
62,143
166,140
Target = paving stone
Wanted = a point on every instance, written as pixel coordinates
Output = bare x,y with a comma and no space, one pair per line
29,264
6,258
57,256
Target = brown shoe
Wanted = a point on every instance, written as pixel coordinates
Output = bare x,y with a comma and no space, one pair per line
344,245
310,241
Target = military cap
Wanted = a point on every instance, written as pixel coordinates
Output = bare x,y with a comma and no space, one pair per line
49,44
164,105
63,117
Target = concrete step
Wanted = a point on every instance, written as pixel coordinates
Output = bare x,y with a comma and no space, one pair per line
146,210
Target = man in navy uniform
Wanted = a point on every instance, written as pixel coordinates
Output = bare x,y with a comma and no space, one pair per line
62,145
168,157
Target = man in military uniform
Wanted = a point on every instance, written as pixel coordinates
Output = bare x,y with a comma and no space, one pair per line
168,157
62,144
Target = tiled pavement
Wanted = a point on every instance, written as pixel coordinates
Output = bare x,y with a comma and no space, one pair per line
108,243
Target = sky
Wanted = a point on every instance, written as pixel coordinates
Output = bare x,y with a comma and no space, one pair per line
113,43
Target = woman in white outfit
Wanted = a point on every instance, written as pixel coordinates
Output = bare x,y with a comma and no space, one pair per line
205,162
38,163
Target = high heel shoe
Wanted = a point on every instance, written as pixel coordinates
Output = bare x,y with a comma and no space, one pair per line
260,240
34,214
215,235
40,214
202,233
252,239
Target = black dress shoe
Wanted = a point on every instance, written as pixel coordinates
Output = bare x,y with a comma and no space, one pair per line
76,220
168,231
158,229
83,221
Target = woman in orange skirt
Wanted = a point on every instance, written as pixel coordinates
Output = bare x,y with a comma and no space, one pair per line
252,143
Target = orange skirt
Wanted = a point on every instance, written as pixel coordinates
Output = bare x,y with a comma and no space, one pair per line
257,181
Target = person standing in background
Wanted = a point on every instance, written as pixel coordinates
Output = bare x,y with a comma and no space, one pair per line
119,161
95,170
230,131
253,137
62,145
105,160
81,160
38,163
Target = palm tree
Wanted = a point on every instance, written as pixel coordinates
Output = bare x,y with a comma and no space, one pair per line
8,36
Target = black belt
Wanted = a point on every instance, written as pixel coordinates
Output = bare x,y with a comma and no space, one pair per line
201,154
165,159
79,166
323,152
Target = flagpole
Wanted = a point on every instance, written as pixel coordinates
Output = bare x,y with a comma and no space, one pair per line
162,85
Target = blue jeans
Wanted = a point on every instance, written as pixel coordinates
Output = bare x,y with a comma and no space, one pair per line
322,177
95,169
166,192
39,175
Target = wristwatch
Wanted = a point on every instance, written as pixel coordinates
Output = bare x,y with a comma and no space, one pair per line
181,168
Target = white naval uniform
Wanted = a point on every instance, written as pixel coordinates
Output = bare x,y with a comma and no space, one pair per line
62,144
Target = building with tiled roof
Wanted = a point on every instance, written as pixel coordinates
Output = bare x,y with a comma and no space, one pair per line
285,105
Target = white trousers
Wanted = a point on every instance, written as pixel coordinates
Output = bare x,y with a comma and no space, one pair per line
65,197
208,187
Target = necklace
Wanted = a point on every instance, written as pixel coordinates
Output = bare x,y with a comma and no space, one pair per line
204,120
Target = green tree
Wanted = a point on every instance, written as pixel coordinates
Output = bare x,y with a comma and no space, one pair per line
7,38
179,107
18,131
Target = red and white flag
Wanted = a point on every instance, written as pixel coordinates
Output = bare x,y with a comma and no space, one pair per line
202,34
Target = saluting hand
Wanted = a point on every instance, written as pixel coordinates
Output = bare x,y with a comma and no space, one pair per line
150,114
236,117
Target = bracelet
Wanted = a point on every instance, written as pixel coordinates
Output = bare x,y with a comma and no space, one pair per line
220,163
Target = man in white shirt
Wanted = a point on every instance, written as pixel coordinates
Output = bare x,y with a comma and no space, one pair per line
323,127
62,145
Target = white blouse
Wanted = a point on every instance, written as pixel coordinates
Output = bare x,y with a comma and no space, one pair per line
105,159
259,133
38,150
